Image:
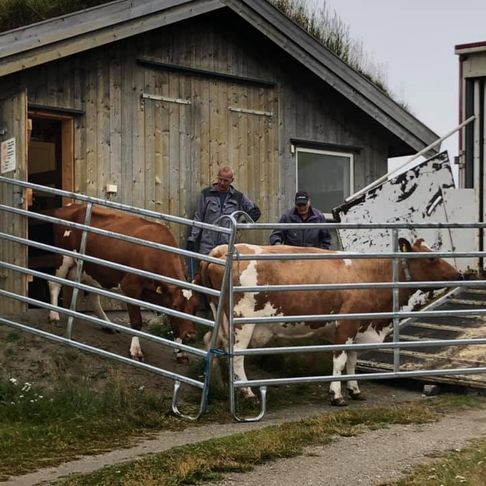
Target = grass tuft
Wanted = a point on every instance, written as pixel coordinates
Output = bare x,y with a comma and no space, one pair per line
48,428
467,466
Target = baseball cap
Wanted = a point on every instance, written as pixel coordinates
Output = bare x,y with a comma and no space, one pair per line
301,197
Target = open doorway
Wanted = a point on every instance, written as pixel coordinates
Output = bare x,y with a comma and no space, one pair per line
50,163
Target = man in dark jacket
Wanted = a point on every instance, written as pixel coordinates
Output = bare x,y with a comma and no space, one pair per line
217,200
303,212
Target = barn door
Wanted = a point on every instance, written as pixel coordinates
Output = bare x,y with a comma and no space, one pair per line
193,124
252,133
13,135
50,163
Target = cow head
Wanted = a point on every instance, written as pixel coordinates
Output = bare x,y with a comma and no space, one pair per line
431,269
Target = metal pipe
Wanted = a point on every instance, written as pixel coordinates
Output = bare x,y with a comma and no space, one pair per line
116,266
361,376
79,269
396,299
100,352
101,322
108,234
319,348
111,204
356,316
411,159
372,285
106,293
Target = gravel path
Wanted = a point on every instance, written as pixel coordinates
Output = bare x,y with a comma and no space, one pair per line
368,459
365,454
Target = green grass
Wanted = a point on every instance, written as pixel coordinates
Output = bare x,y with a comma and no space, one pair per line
40,428
12,337
467,466
208,460
46,428
15,13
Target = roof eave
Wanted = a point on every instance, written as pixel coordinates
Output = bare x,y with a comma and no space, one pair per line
305,49
53,39
79,31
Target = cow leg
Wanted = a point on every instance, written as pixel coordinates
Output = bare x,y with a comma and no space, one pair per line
135,323
55,288
95,304
179,355
339,363
132,287
352,385
95,301
345,334
243,337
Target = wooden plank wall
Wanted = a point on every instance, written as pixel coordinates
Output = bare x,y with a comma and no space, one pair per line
160,154
13,111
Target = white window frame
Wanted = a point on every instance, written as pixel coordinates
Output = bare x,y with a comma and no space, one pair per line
350,155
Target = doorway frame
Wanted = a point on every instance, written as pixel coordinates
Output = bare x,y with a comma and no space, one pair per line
67,146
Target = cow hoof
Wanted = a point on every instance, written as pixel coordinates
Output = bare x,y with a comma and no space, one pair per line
136,358
357,396
182,360
339,402
246,397
109,330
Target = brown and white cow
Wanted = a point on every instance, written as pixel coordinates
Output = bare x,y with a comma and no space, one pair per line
130,254
294,272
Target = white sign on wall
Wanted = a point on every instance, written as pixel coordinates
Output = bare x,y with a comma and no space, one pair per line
8,156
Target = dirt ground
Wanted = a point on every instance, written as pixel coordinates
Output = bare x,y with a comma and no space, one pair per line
371,458
32,359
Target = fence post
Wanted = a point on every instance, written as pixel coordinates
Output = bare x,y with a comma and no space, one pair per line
79,269
396,300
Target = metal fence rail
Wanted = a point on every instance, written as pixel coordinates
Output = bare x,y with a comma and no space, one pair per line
230,292
396,315
80,257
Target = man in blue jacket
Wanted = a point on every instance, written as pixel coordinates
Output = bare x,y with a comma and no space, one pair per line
219,199
303,212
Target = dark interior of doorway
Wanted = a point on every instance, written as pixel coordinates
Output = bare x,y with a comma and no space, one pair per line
44,168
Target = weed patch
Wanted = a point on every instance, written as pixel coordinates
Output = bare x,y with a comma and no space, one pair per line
46,428
467,467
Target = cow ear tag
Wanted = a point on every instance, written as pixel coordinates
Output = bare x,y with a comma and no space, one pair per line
158,290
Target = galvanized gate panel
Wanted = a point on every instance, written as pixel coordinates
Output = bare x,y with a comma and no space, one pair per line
446,356
17,270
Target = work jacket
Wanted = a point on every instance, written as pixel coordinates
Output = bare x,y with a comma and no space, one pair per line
209,210
316,237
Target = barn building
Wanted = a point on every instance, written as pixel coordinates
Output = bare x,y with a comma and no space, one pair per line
472,90
139,101
472,140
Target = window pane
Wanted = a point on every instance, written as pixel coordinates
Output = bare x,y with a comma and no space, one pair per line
326,177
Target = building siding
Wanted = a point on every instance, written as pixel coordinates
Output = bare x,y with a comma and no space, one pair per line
160,154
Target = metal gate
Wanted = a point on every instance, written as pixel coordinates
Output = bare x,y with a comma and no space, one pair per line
401,318
397,346
12,271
